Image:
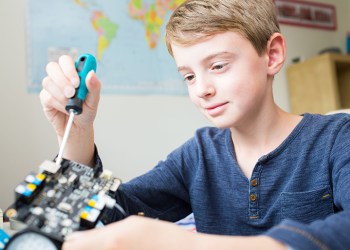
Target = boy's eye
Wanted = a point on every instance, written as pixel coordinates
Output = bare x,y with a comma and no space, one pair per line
188,78
218,66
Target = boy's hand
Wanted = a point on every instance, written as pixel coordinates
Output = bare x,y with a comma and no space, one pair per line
132,233
59,85
136,232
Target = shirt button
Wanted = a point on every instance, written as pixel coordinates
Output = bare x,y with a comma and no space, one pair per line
252,197
254,182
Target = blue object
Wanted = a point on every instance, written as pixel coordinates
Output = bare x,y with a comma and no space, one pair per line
348,43
4,239
84,65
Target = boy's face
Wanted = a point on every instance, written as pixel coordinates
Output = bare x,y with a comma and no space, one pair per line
227,80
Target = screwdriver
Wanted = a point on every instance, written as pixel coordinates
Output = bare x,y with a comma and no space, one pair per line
84,64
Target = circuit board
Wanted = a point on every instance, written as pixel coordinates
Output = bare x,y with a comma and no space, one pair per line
60,199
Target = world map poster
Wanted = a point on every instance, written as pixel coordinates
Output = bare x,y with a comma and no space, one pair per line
125,36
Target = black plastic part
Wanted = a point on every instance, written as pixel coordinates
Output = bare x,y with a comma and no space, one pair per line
81,63
75,105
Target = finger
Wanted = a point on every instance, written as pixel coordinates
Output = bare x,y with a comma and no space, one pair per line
81,240
49,103
51,96
75,236
94,87
58,78
54,90
68,68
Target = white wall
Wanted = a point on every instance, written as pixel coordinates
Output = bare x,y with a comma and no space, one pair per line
132,132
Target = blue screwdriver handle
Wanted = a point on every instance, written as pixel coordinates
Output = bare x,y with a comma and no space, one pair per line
84,64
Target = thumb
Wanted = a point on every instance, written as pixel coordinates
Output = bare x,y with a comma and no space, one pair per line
94,87
75,236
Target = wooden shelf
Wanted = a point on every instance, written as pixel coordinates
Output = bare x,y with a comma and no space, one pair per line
320,84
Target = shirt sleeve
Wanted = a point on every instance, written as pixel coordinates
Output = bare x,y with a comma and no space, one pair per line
160,193
331,233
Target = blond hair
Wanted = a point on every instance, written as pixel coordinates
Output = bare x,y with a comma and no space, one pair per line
195,20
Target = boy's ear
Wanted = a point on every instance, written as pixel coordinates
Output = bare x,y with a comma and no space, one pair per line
276,53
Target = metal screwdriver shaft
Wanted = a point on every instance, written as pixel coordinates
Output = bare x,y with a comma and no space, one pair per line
65,138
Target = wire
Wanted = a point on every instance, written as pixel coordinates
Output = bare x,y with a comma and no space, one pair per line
120,209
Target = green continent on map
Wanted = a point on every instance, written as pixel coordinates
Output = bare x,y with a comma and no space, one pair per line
106,31
152,15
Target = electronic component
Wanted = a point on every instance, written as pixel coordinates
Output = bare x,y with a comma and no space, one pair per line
59,200
4,238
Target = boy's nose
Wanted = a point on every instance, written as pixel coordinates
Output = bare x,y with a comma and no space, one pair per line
205,88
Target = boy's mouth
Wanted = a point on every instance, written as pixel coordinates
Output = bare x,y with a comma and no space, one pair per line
216,109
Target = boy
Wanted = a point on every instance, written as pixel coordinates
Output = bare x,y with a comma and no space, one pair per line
260,179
